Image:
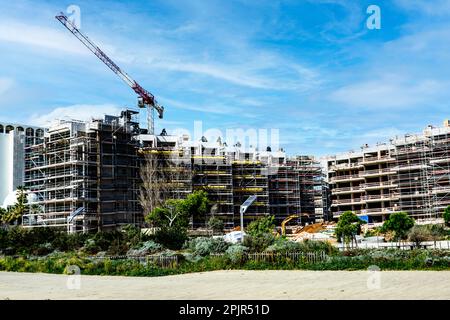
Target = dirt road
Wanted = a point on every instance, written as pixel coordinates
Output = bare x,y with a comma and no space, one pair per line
233,285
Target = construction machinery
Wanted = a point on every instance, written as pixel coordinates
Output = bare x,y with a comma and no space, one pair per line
145,100
289,218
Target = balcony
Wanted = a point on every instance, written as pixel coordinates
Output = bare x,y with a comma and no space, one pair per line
376,172
345,166
409,167
347,190
380,197
337,202
413,195
352,177
369,212
440,160
373,160
376,211
441,190
378,185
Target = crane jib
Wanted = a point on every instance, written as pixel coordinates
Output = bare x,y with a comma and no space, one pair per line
146,96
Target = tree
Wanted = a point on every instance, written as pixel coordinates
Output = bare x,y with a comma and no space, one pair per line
261,226
216,224
3,213
16,211
196,206
446,216
172,219
418,234
400,223
260,234
154,184
348,226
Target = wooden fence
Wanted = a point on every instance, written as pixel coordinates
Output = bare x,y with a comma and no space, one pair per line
309,257
157,260
402,245
173,261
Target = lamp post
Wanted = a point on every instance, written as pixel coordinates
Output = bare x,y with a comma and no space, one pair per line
243,209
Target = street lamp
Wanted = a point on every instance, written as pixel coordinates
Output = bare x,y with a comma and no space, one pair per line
243,209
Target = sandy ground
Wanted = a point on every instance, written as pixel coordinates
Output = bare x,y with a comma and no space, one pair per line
233,285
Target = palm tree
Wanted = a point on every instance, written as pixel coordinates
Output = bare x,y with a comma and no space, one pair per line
15,212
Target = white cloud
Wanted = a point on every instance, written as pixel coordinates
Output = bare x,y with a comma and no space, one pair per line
388,92
75,112
5,85
209,108
433,8
32,35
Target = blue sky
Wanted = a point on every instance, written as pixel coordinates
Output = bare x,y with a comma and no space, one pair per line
311,68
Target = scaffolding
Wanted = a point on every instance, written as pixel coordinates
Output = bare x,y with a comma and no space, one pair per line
250,177
412,155
284,192
411,174
91,165
440,171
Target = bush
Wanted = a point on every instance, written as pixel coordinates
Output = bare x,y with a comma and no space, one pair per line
312,245
418,234
282,246
171,237
148,247
216,224
132,235
259,243
400,223
261,226
236,253
203,246
117,248
446,216
91,247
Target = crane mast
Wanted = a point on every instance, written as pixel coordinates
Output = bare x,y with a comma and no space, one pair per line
145,100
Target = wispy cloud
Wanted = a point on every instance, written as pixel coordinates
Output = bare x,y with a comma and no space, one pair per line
388,92
75,112
15,32
426,7
5,85
215,108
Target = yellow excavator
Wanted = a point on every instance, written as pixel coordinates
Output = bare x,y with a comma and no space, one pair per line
289,218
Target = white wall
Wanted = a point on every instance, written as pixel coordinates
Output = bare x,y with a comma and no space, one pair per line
11,163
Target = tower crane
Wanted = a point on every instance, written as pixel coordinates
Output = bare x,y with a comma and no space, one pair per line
145,98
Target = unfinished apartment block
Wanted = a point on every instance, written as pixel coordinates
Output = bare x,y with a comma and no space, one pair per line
85,175
410,173
284,192
230,175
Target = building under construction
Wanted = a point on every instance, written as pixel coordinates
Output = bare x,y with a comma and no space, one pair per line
230,174
84,175
410,173
105,173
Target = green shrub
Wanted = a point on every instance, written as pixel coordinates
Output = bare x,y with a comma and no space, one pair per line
259,243
148,247
203,246
236,253
117,248
91,247
216,224
171,237
261,226
282,245
313,245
